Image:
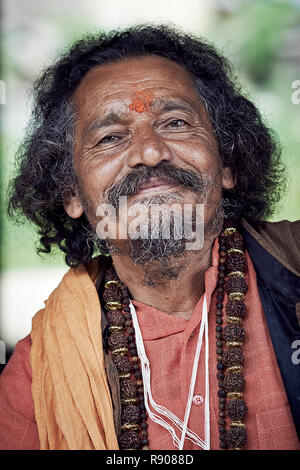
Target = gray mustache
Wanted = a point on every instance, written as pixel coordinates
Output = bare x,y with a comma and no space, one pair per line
130,184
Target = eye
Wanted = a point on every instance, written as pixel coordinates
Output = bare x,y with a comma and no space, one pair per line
177,123
108,139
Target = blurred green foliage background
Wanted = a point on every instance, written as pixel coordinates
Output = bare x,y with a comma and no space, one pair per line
261,38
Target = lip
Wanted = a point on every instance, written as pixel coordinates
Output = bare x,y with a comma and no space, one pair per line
155,186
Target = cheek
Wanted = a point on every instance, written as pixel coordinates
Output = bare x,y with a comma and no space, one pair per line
96,177
201,154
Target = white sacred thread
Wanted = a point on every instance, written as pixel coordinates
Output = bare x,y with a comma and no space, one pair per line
161,411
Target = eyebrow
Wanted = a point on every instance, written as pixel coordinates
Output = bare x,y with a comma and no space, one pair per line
159,105
108,120
172,104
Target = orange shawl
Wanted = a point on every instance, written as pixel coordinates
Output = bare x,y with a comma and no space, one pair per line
70,391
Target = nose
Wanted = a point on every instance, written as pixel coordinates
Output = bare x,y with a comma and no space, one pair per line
149,148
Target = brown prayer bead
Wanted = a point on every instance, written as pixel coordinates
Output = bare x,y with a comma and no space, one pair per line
128,389
236,437
123,363
115,317
233,333
117,340
236,284
130,414
234,382
235,308
237,409
233,357
112,294
235,241
236,262
130,440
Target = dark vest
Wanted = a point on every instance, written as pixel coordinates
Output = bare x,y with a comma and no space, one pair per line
279,291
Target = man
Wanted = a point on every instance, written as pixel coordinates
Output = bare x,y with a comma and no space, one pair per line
179,340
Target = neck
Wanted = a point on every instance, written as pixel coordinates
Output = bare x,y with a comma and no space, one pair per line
173,286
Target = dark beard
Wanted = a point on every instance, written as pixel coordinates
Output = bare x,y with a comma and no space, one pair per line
145,251
165,258
162,258
152,244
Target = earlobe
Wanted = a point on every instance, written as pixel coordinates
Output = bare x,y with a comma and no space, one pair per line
229,179
73,207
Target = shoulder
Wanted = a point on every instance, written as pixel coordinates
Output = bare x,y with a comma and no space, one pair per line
18,430
16,376
280,239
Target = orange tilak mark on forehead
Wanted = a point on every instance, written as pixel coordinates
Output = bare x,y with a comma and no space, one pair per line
140,102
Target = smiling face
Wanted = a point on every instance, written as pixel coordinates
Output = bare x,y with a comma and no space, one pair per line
134,117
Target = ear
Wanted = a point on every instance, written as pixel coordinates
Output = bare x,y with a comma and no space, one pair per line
73,207
228,178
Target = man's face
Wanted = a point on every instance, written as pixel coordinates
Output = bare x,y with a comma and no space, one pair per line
142,116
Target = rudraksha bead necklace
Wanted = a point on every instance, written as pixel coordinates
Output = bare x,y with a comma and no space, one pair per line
122,347
229,342
230,338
